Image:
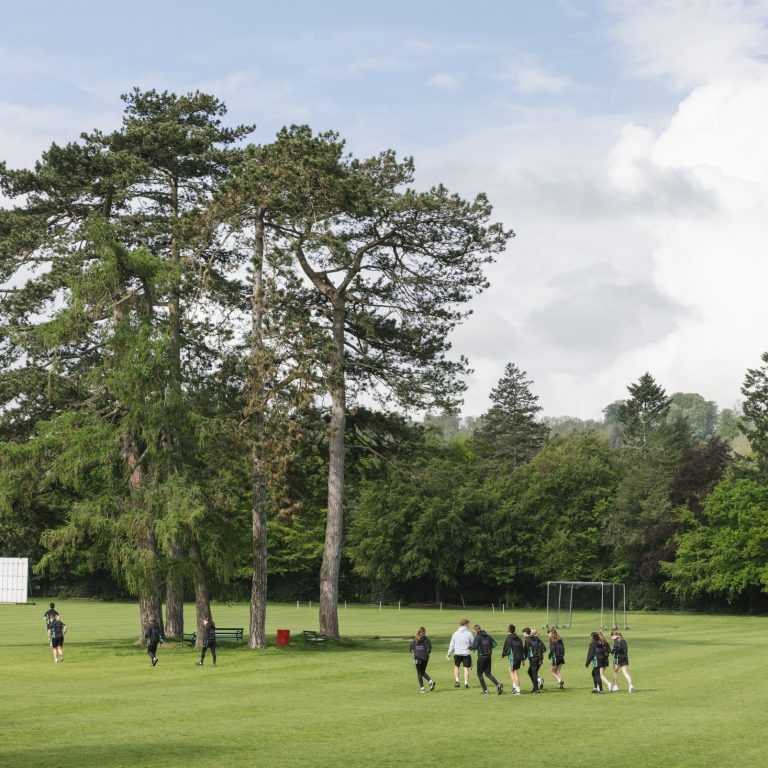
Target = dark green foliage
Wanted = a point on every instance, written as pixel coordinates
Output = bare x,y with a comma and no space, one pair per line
755,409
510,433
702,415
646,408
726,550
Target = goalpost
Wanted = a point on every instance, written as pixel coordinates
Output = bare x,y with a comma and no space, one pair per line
14,579
602,584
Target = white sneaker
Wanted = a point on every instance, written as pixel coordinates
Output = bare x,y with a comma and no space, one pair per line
614,688
421,690
631,688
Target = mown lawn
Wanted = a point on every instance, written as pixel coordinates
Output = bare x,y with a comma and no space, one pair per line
701,697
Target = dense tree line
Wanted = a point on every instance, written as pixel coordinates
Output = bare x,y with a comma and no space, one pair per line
206,349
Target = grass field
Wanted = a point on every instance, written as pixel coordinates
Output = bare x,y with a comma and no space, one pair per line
701,696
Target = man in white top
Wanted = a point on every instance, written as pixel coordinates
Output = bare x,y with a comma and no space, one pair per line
462,656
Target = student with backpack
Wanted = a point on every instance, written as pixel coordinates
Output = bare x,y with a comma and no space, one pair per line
534,652
484,645
421,647
556,655
209,641
513,650
152,637
620,661
597,658
56,631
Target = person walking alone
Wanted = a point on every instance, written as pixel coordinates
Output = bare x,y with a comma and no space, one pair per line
484,645
209,641
421,647
462,655
56,631
152,637
50,615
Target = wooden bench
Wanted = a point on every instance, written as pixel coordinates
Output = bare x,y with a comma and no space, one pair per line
314,638
222,633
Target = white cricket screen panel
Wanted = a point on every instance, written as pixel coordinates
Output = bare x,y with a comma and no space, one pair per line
14,575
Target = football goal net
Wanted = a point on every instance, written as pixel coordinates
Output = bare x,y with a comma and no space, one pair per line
14,579
613,596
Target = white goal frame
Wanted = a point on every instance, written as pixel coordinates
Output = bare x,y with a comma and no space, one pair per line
602,584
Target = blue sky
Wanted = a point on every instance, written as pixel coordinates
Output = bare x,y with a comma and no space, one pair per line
621,140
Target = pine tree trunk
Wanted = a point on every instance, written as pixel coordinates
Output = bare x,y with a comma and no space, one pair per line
174,594
329,572
150,605
257,638
202,597
174,581
257,634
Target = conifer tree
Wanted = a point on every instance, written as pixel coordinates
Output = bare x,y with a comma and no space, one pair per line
391,269
509,433
148,182
644,411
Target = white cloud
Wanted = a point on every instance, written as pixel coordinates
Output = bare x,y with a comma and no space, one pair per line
636,250
443,82
537,80
690,41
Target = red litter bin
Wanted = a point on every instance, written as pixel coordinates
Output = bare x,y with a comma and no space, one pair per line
283,637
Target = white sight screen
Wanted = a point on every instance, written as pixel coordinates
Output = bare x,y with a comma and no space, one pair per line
13,579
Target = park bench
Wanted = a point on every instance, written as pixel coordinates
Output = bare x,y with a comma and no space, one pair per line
222,633
314,638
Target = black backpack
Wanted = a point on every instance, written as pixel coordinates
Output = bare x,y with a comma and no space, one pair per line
486,645
517,649
537,648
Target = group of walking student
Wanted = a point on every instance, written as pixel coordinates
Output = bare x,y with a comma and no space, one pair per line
519,651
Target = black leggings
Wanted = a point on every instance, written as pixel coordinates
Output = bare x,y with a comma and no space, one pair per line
152,650
212,649
534,665
596,678
484,668
421,671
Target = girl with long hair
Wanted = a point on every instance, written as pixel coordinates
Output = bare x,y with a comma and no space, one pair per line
556,655
421,647
620,661
596,655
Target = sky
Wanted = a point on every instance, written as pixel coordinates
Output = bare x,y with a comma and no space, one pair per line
623,141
